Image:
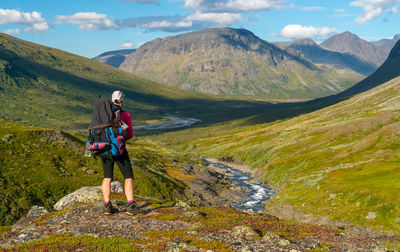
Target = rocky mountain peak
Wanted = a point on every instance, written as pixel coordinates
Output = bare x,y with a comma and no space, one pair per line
207,39
306,41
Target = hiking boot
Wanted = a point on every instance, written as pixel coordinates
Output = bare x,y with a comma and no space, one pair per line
109,209
132,209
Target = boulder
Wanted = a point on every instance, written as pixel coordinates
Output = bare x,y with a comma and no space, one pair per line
34,213
116,187
37,211
85,195
243,231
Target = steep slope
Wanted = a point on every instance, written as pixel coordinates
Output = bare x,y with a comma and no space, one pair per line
47,87
39,166
347,42
234,62
318,55
114,58
341,161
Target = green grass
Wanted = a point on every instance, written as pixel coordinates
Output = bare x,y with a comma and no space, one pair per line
81,243
343,159
39,166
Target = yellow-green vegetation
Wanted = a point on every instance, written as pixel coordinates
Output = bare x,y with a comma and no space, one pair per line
342,161
40,166
79,243
215,219
5,229
158,240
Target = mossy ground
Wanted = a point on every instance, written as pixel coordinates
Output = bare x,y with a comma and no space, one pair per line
39,166
79,243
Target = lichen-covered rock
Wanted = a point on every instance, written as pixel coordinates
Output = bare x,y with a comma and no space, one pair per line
243,231
37,211
85,195
193,214
271,236
284,242
182,205
34,213
116,187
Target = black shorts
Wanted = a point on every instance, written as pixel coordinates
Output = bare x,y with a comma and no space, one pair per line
123,163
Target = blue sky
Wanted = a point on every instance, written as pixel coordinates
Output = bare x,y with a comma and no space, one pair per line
91,27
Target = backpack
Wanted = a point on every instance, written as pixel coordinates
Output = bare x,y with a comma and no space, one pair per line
106,131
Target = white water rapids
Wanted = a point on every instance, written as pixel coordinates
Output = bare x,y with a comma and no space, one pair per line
255,194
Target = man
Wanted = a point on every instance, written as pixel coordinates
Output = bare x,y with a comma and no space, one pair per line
123,163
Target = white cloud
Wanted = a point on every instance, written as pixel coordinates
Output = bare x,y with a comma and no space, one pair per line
127,45
312,8
88,21
12,31
298,31
223,19
166,24
233,5
33,21
374,8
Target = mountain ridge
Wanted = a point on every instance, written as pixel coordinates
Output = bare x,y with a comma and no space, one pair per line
317,54
233,62
114,58
350,43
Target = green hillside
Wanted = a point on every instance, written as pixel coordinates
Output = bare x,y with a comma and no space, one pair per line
39,166
342,161
46,87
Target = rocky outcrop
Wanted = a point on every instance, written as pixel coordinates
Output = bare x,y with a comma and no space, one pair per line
85,195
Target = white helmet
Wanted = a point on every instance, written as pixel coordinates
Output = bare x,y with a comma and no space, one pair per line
117,97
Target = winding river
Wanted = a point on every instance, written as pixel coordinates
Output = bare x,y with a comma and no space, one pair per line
176,122
254,194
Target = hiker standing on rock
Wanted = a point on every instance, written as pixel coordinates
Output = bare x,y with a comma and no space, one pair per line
110,128
123,163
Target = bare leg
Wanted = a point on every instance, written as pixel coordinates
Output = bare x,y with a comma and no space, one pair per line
106,188
129,189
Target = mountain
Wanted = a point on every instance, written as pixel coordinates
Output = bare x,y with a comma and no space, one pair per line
46,87
114,58
234,62
347,42
387,43
318,55
341,161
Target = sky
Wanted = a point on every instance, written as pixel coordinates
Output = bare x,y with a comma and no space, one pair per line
91,27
